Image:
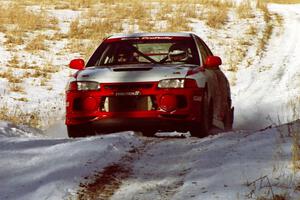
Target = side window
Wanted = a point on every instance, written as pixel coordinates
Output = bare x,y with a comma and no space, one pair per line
204,50
208,51
96,55
106,56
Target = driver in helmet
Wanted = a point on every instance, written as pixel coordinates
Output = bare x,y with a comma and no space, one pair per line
178,53
127,55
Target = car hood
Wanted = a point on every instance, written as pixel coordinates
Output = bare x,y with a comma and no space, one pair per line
133,73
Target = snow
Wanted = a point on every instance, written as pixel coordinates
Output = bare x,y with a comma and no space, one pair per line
7,129
272,83
39,164
274,74
215,167
275,69
40,168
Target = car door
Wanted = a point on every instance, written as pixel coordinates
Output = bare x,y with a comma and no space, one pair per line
217,86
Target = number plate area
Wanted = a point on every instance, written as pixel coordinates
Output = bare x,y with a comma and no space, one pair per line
127,103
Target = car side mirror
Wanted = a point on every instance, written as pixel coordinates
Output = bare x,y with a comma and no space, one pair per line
77,64
212,62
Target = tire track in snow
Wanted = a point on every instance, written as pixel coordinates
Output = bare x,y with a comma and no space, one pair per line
158,174
110,181
104,183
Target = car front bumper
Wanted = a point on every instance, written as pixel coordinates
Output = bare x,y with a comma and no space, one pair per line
187,110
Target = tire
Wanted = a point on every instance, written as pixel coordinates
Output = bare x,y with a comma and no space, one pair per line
78,131
228,120
148,133
203,129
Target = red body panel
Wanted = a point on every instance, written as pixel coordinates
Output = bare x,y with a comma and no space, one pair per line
126,85
189,112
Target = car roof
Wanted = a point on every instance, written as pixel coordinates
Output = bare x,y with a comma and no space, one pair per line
137,35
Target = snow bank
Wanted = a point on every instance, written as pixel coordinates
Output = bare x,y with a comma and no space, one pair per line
38,168
226,166
234,165
9,129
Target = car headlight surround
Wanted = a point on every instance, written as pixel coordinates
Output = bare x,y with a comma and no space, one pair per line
171,83
84,85
88,85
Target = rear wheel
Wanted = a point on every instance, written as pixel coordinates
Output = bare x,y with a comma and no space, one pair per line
202,129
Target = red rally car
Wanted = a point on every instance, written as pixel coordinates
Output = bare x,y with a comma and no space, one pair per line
148,82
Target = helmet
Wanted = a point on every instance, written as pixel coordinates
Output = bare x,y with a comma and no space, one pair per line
125,55
178,53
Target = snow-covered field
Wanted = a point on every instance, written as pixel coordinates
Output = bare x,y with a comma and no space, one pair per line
252,72
233,165
268,92
34,167
247,163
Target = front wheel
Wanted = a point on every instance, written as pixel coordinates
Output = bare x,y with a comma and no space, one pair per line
148,133
228,120
203,129
75,131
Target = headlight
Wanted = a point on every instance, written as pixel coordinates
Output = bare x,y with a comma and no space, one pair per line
171,83
178,83
84,85
88,86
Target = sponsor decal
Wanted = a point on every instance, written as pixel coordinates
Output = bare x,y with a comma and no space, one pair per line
156,38
130,38
135,93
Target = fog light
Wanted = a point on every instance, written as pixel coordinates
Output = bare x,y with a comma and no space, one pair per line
168,103
89,104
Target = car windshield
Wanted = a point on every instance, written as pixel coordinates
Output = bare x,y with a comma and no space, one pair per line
150,51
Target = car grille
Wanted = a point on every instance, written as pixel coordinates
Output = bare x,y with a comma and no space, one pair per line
128,103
